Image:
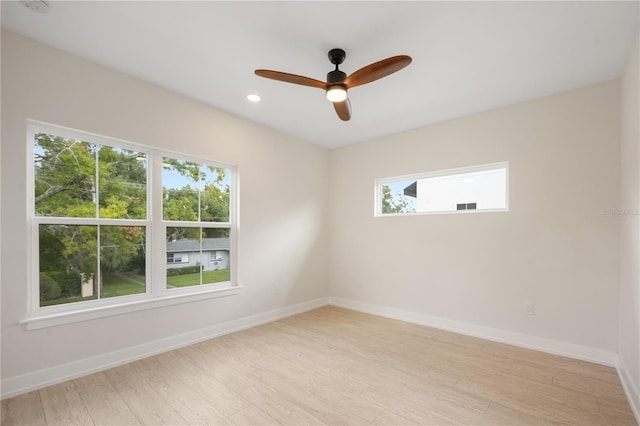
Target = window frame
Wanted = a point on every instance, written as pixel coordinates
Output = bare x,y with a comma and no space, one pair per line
379,182
156,292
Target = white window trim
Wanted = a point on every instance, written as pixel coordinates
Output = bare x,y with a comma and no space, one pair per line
36,322
157,294
377,187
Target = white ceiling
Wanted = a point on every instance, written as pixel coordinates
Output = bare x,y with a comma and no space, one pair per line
467,56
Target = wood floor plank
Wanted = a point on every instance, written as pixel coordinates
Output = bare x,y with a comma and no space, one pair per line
306,396
25,409
335,366
220,363
587,384
553,364
252,415
104,403
358,365
277,406
224,398
318,391
63,405
147,404
618,404
197,407
567,408
388,417
498,414
4,405
399,405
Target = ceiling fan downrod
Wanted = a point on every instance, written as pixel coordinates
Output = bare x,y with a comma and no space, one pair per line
336,56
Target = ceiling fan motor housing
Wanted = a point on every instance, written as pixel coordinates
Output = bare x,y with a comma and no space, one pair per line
335,76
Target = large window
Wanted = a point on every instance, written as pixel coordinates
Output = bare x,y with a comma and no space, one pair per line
97,205
469,189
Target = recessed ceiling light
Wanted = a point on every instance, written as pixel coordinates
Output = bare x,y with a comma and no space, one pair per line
253,98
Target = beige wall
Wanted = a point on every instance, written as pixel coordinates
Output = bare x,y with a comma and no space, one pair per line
629,333
556,247
284,196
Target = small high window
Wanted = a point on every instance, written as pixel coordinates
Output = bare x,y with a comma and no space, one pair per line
478,188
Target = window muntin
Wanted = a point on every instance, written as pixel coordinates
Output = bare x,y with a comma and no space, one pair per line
469,189
92,221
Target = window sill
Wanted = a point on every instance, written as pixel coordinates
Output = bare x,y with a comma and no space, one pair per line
506,209
39,321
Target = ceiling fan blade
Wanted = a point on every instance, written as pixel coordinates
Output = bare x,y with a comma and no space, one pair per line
377,70
291,78
343,109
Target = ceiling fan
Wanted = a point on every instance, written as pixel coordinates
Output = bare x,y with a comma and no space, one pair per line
338,82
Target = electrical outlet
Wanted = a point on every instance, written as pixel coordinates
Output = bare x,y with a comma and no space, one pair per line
527,308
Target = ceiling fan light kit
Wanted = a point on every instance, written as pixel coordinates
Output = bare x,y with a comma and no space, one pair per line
338,82
336,93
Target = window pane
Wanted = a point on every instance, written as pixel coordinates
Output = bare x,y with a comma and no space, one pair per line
65,171
197,256
183,257
443,192
180,190
69,259
398,197
122,260
216,251
214,199
122,186
195,192
68,263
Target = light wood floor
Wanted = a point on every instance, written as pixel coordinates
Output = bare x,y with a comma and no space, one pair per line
334,366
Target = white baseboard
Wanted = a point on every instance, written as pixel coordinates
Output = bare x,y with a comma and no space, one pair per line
630,389
50,376
556,347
